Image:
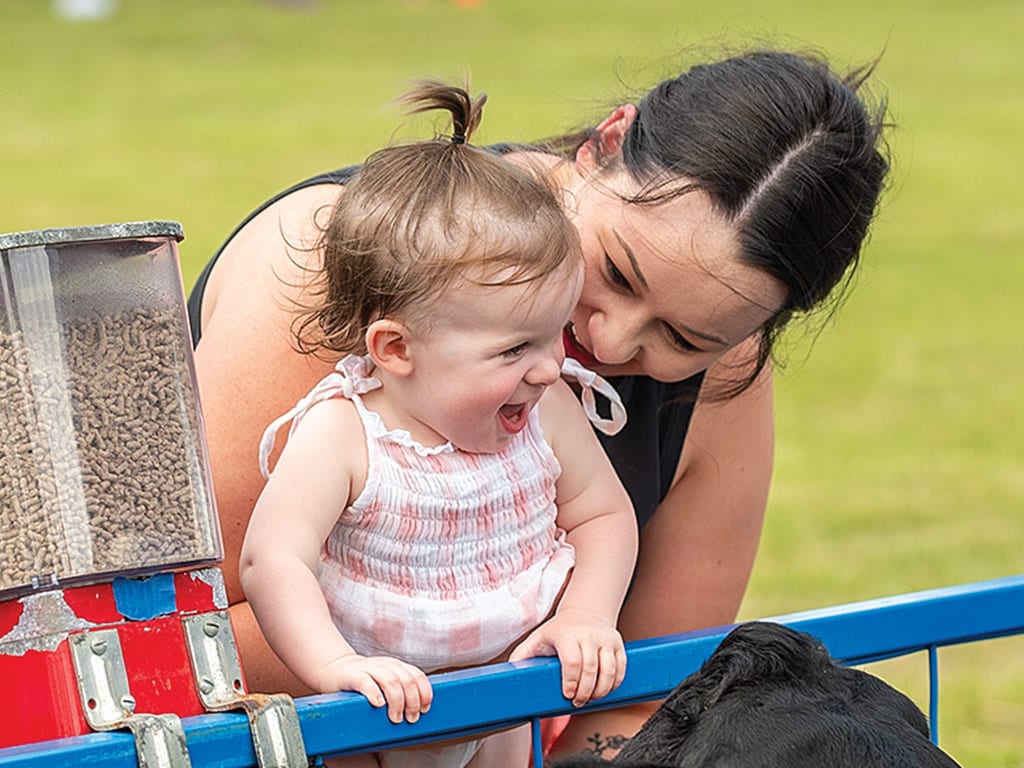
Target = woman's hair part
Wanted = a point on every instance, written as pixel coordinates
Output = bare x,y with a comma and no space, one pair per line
791,153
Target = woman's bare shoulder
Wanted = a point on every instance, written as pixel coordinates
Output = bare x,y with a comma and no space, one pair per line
271,253
247,354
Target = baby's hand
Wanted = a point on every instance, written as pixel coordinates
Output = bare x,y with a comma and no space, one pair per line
588,646
383,680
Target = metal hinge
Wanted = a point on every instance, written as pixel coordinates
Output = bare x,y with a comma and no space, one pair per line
273,720
108,703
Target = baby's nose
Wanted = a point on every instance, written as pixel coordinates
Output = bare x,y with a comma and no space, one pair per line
545,372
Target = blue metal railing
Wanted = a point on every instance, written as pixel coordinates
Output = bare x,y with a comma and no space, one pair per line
486,698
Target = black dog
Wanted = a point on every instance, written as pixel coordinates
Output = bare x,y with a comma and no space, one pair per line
772,697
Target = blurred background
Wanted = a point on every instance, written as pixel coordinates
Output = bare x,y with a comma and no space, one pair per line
900,459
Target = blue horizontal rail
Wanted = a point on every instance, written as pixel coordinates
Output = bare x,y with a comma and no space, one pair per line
485,698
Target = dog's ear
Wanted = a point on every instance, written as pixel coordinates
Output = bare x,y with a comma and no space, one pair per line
753,653
757,653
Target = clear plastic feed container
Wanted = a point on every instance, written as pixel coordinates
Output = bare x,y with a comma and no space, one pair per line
103,464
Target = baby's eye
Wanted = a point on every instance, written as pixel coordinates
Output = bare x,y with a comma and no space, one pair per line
514,352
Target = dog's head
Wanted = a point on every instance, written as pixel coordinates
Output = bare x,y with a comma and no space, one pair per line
772,697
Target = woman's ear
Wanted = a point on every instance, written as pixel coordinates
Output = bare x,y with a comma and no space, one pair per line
607,140
387,343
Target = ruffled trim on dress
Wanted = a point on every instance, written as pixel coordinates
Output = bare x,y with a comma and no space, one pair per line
400,437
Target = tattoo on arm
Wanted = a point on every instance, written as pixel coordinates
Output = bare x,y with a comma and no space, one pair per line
602,744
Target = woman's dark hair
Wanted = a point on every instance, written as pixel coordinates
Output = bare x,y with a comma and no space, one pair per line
790,152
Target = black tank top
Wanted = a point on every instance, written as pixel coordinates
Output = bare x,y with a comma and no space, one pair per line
645,453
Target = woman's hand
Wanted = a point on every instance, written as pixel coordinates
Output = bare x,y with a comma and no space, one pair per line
589,648
382,680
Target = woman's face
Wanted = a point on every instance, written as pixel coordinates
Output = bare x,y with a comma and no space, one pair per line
664,293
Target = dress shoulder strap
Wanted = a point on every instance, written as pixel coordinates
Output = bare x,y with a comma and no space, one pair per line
350,378
590,382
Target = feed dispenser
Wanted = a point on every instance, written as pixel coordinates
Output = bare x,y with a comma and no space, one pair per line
112,610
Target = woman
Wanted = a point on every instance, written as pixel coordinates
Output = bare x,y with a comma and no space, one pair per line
729,200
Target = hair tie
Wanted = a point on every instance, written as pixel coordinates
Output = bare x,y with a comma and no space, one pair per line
458,138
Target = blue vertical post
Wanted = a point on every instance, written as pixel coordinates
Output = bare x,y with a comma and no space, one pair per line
538,745
933,692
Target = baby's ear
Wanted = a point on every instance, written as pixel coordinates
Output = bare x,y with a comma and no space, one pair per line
387,342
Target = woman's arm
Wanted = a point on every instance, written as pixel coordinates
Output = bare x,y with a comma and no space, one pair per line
697,552
249,373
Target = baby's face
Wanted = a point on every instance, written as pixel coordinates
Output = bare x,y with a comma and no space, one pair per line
489,355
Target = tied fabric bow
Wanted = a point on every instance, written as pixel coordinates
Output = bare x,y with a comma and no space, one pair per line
591,382
350,376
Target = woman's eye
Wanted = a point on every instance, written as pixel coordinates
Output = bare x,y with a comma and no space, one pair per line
681,341
513,352
614,275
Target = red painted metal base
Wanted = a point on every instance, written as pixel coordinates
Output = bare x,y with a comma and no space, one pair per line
42,698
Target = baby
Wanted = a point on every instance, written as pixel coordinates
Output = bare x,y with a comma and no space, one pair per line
442,500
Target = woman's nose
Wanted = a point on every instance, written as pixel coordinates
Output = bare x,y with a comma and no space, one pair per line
614,338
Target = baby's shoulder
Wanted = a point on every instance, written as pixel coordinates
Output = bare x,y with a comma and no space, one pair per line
335,439
337,415
560,409
333,428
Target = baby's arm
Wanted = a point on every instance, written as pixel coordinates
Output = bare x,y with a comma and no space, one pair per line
294,514
597,515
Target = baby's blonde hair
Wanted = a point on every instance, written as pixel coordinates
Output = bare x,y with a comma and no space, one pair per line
419,218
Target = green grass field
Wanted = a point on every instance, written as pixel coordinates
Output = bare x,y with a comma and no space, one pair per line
900,461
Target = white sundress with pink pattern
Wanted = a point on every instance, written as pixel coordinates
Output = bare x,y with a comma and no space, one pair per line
446,557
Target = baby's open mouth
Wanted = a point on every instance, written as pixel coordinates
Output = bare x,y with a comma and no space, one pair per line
512,416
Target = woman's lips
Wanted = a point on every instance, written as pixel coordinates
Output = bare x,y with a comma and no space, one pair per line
576,351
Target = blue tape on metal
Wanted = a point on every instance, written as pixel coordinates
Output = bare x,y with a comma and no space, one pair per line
142,599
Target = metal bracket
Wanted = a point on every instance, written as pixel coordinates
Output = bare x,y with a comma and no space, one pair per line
108,704
273,720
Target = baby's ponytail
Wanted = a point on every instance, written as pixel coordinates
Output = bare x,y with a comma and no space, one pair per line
465,110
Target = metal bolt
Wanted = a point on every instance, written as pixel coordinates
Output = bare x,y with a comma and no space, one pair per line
211,628
128,703
206,685
98,645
